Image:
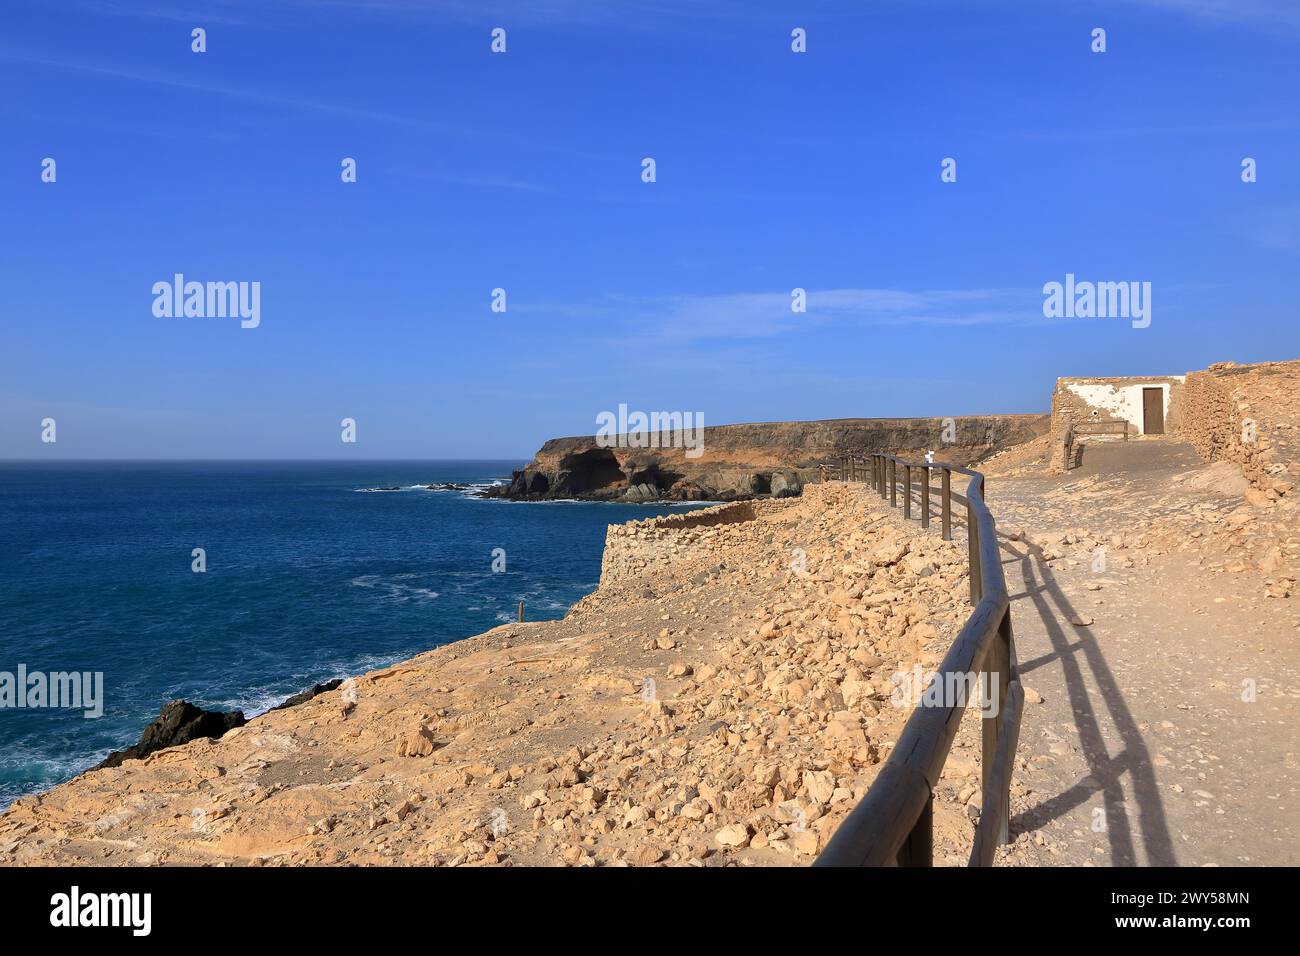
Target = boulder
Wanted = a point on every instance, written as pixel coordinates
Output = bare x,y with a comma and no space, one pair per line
734,835
641,492
417,743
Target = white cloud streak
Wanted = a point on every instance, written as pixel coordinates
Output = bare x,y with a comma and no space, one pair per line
765,315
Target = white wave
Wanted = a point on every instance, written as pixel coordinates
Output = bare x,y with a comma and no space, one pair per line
393,587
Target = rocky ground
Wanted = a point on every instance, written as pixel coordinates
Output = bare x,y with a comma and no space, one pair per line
726,696
726,703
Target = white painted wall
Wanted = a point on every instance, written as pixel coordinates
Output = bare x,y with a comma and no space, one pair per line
1122,401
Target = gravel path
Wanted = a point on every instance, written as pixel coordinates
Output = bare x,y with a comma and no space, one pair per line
1166,734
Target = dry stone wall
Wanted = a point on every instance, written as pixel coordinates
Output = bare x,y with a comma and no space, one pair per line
1239,414
657,548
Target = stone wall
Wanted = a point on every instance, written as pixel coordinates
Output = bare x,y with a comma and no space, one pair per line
655,547
1227,418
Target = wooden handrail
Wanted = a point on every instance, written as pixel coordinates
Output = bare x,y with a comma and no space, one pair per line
892,825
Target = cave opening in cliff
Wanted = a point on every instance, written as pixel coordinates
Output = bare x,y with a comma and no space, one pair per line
592,470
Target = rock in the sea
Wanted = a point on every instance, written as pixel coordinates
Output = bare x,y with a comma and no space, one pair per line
179,722
642,492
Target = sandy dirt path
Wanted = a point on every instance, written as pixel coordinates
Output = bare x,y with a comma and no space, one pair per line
1167,730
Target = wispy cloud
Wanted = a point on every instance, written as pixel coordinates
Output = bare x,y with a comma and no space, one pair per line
258,96
175,13
763,315
1279,228
297,104
1281,16
478,182
626,14
1082,134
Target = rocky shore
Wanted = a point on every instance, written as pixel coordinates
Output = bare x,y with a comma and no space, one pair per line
724,697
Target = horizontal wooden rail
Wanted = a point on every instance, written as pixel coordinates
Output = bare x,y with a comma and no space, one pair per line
892,825
1101,428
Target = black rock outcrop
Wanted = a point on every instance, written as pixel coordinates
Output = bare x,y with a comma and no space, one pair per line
178,723
305,695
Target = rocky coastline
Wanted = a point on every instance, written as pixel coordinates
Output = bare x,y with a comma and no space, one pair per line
751,461
180,722
721,698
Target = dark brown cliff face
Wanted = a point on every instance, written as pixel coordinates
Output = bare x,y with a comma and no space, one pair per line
746,461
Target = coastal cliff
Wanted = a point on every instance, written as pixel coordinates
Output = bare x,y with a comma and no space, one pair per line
737,462
723,697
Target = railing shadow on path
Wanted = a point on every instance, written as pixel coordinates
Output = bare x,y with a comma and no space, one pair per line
1105,772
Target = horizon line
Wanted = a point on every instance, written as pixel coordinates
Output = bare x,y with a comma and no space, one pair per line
359,461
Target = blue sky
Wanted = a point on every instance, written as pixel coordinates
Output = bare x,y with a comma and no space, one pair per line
775,170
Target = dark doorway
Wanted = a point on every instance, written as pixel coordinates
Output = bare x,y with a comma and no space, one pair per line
1153,411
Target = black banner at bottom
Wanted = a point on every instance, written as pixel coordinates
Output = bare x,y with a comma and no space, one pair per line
267,905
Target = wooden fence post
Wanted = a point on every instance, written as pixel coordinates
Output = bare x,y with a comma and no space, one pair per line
997,667
945,495
925,496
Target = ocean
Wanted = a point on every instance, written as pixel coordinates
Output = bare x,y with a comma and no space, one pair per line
309,576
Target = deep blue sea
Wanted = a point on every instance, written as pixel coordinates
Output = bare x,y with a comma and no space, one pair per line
308,577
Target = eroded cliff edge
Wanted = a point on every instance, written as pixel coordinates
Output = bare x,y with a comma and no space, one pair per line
753,460
724,696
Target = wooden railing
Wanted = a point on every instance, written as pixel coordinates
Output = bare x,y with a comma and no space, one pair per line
1101,428
892,826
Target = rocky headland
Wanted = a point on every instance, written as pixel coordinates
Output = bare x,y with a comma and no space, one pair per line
738,462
